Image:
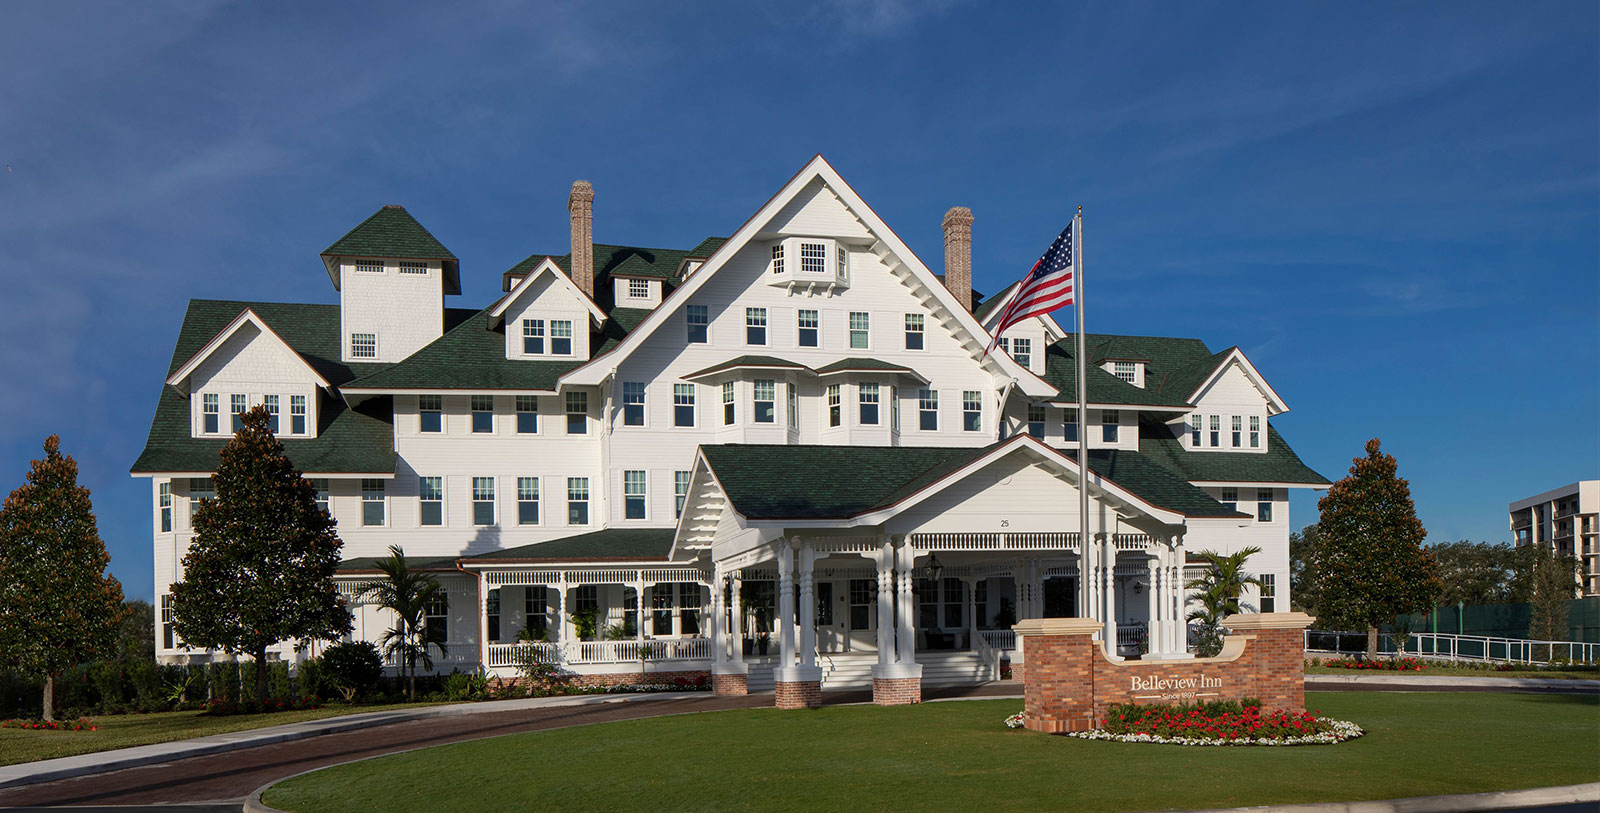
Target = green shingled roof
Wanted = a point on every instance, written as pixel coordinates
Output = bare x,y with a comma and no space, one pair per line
611,544
472,356
627,261
864,364
391,232
749,361
369,564
1061,371
1278,464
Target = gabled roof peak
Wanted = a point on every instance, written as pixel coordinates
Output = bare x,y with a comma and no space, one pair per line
392,233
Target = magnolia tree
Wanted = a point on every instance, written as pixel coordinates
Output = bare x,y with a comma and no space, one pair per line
260,569
1369,564
58,608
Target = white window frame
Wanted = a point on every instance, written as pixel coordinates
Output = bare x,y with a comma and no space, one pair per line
1038,416
413,267
633,395
1069,424
1216,431
683,398
370,487
561,330
430,405
577,404
835,406
638,289
635,494
755,327
971,405
1264,500
1125,370
423,501
274,406
777,257
527,495
210,414
864,332
299,412
164,507
527,406
869,395
363,345
697,316
813,258
804,331
1110,425
729,410
481,405
680,492
369,266
1197,429
916,327
1230,498
769,388
483,498
1255,431
1022,351
320,486
927,404
1237,433
533,335
578,497
238,404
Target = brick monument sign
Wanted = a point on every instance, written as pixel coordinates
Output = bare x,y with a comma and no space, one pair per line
1069,682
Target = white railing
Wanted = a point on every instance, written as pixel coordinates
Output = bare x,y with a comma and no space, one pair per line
1444,646
1131,636
1002,640
988,656
512,654
661,649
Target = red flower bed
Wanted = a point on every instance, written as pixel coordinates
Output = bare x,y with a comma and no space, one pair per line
1380,665
80,724
1214,721
219,707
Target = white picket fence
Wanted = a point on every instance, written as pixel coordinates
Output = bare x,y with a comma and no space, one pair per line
1445,646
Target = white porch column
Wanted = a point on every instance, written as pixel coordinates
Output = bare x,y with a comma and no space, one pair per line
736,616
638,609
906,604
886,590
971,596
483,620
719,640
1110,572
785,610
808,607
563,619
1153,605
1180,645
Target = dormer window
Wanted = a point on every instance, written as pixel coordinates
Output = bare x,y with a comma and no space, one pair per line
409,267
822,262
369,266
844,262
777,258
533,337
813,258
211,407
1124,370
639,289
561,337
363,345
1022,351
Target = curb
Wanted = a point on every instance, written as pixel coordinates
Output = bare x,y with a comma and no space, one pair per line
1493,800
107,761
1456,683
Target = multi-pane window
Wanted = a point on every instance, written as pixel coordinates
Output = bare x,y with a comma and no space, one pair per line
430,413
777,258
1123,370
894,409
765,401
1238,430
200,490
491,612
814,258
698,321
808,323
860,324
633,495
168,639
680,492
755,326
527,414
1110,419
794,407
164,501
1269,592
436,617
483,501
430,490
928,410
835,407
1230,498
577,501
1069,424
409,267
561,337
867,400
534,608
1036,420
527,501
236,407
372,503
639,288
297,414
1264,504
577,413
1255,431
1197,425
954,603
683,405
914,331
1216,430
1022,351
843,262
972,411
273,405
320,485
483,414
533,337
369,266
863,593
363,345
633,403
727,403
210,405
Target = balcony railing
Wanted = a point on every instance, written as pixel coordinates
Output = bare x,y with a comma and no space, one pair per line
586,652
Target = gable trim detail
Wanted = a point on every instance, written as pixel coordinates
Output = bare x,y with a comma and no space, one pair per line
178,380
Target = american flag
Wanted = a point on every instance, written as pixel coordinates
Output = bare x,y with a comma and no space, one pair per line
1047,287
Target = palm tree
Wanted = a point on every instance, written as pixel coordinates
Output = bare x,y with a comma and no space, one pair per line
1218,592
406,593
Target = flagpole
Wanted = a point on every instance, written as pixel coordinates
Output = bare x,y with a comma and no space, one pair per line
1085,556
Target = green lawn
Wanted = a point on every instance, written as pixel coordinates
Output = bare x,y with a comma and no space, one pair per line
954,756
126,730
1467,671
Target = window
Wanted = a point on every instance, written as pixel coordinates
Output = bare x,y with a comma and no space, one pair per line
436,617
321,487
954,601
1197,425
164,501
777,258
200,490
633,495
633,403
1264,505
863,594
587,599
407,267
533,337
430,490
363,345
527,414
808,328
835,411
1036,420
1269,593
1123,370
236,405
577,501
1069,424
698,322
1022,351
639,288
483,501
1255,431
794,407
210,407
297,414
972,411
859,327
1238,429
727,403
1230,498
1216,430
683,405
167,637
927,603
928,410
577,413
894,409
843,262
372,508
430,413
369,266
755,326
680,492
561,337
765,402
814,258
1109,420
491,611
527,501
483,414
533,610
867,400
914,332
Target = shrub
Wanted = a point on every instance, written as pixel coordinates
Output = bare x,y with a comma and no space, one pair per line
353,667
312,683
1380,665
278,684
466,686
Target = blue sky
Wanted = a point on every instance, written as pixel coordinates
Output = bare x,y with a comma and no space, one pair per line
1392,208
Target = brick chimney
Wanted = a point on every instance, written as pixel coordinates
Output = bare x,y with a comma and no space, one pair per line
958,254
581,205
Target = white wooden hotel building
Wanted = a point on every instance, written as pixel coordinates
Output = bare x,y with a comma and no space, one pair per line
655,449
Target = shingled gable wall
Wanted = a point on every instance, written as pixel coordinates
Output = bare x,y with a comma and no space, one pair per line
1069,682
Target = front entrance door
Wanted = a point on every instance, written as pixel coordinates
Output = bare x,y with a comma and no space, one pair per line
832,635
862,618
1061,597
